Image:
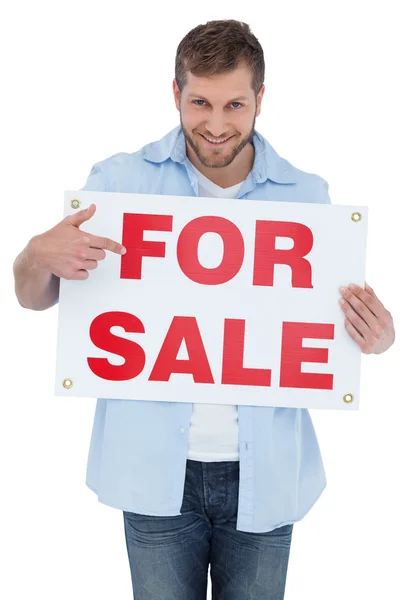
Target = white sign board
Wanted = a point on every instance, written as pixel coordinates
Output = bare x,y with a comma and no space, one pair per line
221,301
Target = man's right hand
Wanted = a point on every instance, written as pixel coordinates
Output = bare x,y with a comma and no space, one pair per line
68,252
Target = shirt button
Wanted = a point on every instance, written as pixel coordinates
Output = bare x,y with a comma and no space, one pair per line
182,430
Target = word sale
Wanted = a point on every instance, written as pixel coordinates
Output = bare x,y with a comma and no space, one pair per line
186,329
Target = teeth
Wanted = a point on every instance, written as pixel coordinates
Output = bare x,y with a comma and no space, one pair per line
216,141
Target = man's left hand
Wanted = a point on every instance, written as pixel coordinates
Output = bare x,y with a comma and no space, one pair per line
367,320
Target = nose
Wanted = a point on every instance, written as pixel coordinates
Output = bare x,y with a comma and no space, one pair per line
216,127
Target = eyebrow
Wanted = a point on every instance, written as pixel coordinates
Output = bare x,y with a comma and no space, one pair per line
202,98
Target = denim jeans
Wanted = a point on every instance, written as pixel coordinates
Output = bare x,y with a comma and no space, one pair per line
169,556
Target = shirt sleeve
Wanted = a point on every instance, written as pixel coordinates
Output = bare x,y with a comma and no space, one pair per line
323,192
96,179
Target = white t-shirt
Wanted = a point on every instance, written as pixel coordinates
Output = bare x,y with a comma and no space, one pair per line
214,431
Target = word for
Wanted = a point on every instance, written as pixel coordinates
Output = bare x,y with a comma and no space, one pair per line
266,255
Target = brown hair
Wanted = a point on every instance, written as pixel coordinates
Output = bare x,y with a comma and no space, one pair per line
217,48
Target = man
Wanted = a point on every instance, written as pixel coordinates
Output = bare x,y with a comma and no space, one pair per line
171,467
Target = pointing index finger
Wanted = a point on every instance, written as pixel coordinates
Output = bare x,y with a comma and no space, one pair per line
106,244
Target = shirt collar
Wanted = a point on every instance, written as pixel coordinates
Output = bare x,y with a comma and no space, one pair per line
267,162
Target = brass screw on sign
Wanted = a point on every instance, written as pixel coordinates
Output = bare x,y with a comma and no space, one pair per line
356,217
75,203
348,398
68,383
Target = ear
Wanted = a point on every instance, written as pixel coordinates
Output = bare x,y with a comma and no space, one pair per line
176,93
259,99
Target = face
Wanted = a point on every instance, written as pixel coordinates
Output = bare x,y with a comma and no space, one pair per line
221,107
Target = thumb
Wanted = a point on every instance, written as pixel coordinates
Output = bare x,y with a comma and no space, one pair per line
83,215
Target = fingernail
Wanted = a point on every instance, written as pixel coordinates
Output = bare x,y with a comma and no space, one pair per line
352,286
342,290
123,251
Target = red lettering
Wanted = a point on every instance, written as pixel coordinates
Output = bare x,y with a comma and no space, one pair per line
293,354
101,337
266,256
134,226
187,250
233,371
182,328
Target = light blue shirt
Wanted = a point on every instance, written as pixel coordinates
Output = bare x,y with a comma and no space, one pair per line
138,449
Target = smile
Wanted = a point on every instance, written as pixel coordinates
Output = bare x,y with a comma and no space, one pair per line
216,143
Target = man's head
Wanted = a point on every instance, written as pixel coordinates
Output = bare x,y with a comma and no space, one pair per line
218,89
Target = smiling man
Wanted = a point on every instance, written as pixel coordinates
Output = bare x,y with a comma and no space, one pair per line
200,484
218,147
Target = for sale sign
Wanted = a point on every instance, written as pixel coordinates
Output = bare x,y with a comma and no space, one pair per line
221,301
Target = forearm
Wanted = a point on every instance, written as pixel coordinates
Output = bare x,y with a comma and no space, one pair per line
35,287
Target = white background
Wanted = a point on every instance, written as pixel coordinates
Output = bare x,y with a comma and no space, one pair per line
84,80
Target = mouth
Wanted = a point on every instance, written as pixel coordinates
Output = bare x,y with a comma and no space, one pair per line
216,145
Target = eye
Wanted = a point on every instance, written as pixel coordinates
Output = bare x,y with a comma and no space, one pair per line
194,102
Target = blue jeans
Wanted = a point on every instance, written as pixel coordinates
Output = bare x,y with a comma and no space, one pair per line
169,556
